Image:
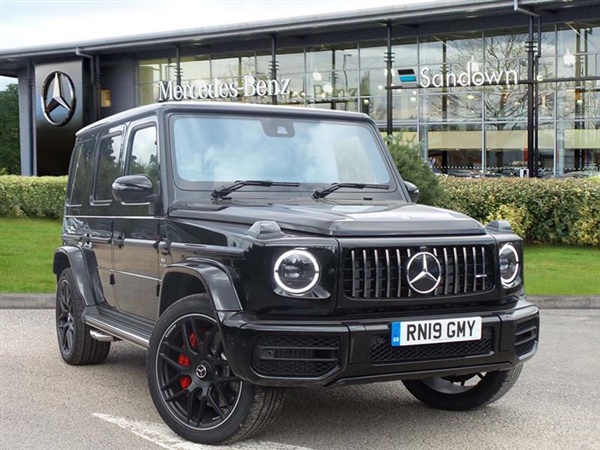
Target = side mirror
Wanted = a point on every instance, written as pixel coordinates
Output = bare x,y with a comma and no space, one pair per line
133,189
413,191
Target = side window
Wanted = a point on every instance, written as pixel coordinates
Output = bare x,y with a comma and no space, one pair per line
143,158
81,173
109,154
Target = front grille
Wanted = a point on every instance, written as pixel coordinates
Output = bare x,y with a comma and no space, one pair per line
298,356
381,350
380,273
526,336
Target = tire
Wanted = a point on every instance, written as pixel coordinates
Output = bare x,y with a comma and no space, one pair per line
463,392
77,347
191,384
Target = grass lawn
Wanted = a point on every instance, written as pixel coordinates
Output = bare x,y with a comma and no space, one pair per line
554,270
26,253
27,247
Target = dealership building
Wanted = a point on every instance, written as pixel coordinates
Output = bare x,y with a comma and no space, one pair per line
482,86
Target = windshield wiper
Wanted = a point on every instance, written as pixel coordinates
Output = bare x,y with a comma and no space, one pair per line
324,192
226,190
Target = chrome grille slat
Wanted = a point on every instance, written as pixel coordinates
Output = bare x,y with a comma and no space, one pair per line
446,268
408,254
365,274
483,262
474,270
455,273
354,274
376,254
437,290
399,273
466,266
388,273
380,273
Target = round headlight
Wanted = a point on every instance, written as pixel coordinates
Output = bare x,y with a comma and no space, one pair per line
296,271
509,264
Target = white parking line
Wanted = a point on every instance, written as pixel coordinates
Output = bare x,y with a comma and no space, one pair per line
163,436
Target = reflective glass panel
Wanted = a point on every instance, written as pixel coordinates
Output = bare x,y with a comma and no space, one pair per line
195,70
82,173
107,166
291,61
372,57
278,149
144,154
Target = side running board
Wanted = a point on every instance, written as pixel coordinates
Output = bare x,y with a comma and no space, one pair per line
109,325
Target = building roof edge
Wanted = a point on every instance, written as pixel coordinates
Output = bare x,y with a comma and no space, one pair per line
430,10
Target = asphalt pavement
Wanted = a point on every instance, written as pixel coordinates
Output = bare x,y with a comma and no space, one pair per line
46,404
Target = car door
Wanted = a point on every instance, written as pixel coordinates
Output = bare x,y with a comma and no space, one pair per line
99,221
136,229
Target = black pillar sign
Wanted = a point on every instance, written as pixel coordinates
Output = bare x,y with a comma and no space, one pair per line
58,99
62,91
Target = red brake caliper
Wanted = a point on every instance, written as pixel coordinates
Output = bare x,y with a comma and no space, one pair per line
183,360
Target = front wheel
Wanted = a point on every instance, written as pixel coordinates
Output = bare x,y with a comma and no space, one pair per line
192,385
463,392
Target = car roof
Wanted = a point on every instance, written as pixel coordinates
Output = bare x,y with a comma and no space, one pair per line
222,107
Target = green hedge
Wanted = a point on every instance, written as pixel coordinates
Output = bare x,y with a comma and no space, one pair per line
32,196
412,168
549,211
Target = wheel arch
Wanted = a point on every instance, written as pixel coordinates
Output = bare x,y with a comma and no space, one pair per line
87,281
187,278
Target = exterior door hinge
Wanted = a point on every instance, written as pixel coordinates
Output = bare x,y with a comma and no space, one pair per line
112,279
158,289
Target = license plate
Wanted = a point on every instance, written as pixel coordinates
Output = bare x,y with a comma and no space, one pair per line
435,331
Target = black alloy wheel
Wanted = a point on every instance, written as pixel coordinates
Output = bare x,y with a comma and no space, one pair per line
76,345
463,392
65,322
193,375
191,384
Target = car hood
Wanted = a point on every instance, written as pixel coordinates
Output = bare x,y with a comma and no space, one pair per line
336,218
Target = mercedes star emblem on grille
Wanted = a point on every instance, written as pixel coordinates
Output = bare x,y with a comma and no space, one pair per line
424,273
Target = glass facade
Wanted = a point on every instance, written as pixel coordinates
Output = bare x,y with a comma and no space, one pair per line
467,109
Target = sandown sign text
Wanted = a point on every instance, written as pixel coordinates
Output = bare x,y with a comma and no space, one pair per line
471,76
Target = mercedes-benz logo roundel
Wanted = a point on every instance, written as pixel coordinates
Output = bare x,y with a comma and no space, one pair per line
424,273
58,98
201,371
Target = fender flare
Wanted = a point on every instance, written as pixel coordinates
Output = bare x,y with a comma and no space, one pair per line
81,261
215,278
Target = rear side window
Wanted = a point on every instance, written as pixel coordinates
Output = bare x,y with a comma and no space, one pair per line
108,167
81,173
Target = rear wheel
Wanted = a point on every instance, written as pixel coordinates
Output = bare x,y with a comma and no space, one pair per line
463,392
192,385
77,347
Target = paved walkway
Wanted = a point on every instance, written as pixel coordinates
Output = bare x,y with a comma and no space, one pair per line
46,301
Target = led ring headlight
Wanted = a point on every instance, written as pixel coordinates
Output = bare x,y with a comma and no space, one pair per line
509,264
296,271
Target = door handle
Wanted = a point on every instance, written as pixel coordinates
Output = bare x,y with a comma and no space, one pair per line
163,248
119,240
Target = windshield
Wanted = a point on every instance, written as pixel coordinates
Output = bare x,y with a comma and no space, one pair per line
220,149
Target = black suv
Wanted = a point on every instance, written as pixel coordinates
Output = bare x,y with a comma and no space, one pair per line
252,248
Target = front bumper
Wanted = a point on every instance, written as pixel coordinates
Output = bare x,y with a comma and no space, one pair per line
324,353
